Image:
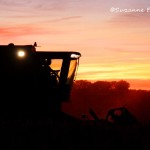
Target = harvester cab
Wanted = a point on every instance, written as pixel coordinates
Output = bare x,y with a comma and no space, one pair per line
33,82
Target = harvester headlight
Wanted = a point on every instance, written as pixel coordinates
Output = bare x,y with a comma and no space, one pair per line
75,56
21,53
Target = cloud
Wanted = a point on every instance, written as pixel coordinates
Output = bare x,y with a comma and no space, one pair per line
14,2
20,30
14,5
37,17
65,18
34,4
129,19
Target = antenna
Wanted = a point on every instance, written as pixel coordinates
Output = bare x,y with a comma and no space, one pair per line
35,44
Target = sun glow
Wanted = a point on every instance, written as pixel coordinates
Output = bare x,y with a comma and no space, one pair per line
114,71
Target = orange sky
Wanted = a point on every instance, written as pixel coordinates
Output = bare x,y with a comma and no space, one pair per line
114,45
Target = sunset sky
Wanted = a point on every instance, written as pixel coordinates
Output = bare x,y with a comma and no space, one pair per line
113,36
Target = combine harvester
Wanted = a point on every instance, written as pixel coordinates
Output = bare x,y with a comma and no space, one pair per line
34,84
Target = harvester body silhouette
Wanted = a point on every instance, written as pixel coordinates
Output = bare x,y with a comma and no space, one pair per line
35,82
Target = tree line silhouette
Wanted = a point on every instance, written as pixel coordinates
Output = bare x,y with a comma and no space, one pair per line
104,95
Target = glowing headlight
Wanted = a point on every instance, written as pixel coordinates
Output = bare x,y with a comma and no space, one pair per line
21,53
75,56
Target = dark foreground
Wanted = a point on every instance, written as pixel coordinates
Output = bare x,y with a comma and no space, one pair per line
68,133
